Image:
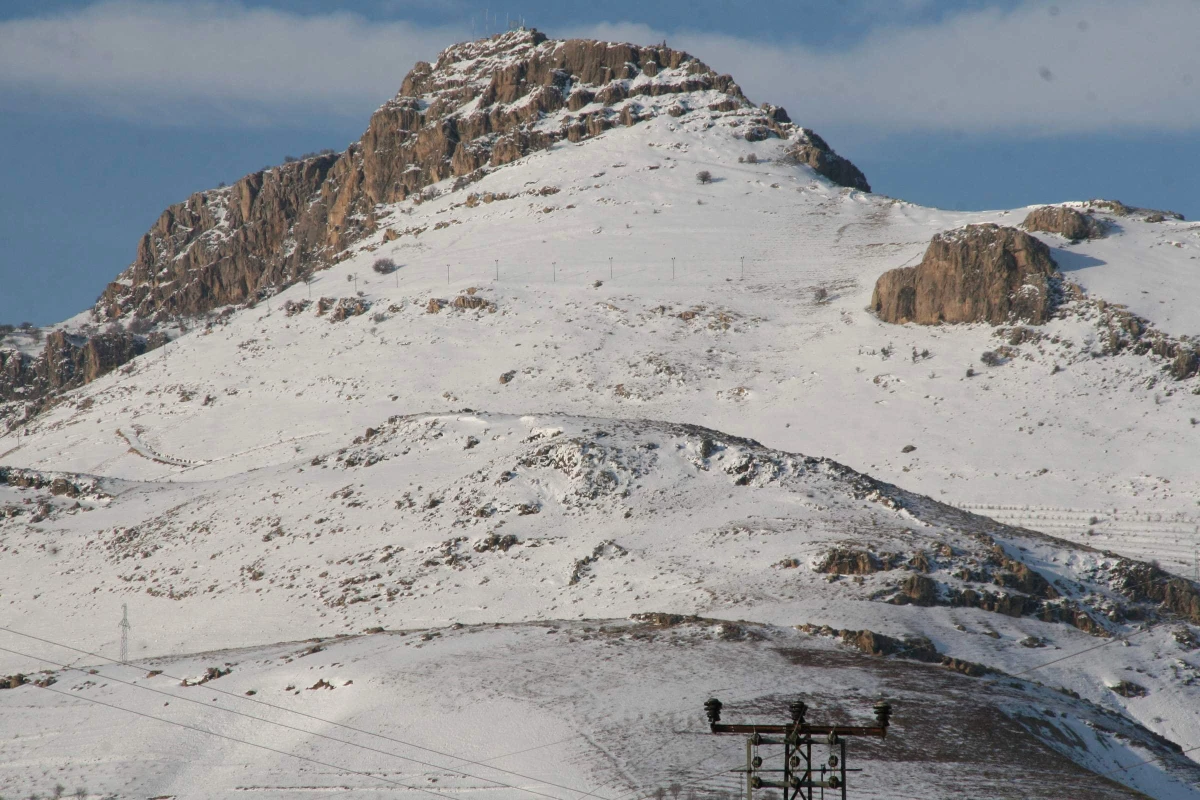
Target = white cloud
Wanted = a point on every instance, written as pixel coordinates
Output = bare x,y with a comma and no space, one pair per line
176,63
1095,65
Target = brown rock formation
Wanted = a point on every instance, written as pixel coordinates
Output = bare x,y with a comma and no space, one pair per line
473,110
1065,221
979,273
27,383
483,104
810,149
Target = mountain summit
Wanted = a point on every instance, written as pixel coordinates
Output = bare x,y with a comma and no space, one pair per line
482,105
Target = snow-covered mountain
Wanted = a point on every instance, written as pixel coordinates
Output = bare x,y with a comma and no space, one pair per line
630,367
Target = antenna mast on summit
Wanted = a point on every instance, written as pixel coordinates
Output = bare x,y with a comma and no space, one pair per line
125,626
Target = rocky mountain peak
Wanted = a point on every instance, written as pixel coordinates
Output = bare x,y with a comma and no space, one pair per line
481,105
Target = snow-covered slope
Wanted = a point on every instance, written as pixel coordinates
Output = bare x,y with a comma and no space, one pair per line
585,393
608,709
1107,437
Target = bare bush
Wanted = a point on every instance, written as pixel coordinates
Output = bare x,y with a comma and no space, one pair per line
752,158
704,176
820,295
384,266
991,358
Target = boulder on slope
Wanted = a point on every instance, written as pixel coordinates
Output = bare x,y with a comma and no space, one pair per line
1065,221
977,273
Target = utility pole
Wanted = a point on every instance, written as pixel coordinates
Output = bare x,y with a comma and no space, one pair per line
447,274
610,268
554,272
800,774
497,269
672,267
125,626
743,267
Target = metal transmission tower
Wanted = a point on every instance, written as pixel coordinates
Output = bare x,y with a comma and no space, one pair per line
125,626
800,774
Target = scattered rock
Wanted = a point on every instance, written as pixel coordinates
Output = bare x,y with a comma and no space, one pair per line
348,307
470,301
850,562
908,448
1128,689
508,376
919,590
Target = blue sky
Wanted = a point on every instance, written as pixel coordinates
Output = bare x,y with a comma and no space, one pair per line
113,110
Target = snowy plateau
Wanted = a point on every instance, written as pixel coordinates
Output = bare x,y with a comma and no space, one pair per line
607,442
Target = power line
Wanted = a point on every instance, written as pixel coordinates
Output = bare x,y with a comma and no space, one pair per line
185,726
584,793
1146,761
286,726
1124,638
316,719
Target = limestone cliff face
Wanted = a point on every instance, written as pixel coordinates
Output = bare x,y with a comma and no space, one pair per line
978,273
483,104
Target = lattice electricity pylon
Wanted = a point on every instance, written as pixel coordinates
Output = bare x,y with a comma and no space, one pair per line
800,775
125,626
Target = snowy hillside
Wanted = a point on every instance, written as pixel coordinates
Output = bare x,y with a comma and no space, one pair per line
590,386
758,356
551,710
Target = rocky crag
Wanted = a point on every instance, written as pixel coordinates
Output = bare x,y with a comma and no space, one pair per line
482,105
28,383
978,273
996,274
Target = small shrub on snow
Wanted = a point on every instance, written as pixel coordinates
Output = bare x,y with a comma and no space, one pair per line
704,176
384,266
991,358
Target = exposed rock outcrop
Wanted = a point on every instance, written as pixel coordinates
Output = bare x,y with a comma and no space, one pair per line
481,105
978,273
1064,221
808,148
28,383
